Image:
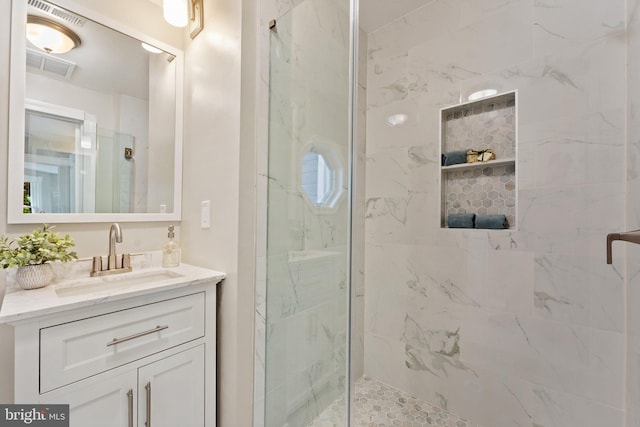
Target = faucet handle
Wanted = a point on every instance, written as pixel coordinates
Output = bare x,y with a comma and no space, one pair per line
126,261
96,265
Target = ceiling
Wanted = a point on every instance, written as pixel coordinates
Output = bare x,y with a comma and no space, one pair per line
106,60
375,14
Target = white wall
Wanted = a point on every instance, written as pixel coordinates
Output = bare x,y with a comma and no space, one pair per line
213,157
60,92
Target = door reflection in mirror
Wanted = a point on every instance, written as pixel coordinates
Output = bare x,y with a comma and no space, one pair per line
59,159
67,169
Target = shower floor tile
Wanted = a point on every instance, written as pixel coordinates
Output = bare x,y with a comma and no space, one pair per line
379,405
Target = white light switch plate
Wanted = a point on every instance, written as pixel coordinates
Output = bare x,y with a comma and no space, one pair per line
205,214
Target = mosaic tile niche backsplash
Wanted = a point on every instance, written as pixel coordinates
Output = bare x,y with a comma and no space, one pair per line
488,189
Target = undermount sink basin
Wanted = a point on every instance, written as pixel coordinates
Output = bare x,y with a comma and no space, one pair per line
114,282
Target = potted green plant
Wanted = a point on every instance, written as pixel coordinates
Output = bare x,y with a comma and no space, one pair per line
32,254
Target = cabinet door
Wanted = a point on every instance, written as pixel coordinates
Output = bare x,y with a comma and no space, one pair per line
101,401
171,391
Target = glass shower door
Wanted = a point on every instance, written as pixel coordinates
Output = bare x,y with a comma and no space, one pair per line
308,212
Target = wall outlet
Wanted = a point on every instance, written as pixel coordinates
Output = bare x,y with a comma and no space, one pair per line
205,214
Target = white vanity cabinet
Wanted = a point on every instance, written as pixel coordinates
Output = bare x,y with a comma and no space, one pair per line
140,361
173,390
168,392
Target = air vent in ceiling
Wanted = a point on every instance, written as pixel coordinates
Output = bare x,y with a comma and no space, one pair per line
58,12
49,64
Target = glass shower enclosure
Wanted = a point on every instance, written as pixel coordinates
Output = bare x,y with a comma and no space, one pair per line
308,216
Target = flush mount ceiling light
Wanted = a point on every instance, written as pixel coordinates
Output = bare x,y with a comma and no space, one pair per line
181,13
482,94
150,48
397,119
50,36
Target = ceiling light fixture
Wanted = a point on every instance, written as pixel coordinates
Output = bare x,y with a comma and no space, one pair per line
176,12
482,94
181,13
50,36
150,48
397,119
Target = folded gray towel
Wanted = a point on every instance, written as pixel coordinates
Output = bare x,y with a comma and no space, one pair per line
454,157
492,222
460,220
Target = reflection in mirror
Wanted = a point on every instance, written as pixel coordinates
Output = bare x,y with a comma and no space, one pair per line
321,175
101,122
318,179
59,160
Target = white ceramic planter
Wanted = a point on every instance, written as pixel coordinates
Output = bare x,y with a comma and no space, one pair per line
34,276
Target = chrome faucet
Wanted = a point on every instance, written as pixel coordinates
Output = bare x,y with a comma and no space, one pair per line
629,236
113,266
115,235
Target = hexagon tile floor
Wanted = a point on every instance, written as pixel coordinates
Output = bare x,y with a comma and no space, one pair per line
380,405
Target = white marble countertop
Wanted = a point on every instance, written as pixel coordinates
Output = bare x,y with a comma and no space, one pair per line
78,290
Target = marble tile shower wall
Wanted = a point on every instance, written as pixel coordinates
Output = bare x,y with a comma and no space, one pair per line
523,327
633,216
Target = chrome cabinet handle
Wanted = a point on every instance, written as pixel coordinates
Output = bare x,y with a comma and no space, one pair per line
130,401
147,387
138,335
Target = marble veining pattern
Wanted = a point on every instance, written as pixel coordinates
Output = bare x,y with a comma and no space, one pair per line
523,327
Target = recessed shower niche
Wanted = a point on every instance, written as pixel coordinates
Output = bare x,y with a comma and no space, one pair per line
470,186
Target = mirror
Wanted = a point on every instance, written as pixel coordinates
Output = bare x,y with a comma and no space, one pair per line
96,131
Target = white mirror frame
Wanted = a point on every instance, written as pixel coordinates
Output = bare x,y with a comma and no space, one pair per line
17,105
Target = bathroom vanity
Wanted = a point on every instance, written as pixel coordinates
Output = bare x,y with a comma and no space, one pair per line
134,349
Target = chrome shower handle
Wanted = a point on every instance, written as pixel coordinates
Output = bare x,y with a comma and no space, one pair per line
629,236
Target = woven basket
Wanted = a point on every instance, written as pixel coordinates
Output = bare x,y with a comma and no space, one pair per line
34,276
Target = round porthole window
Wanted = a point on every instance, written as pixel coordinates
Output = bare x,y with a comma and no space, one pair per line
321,176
